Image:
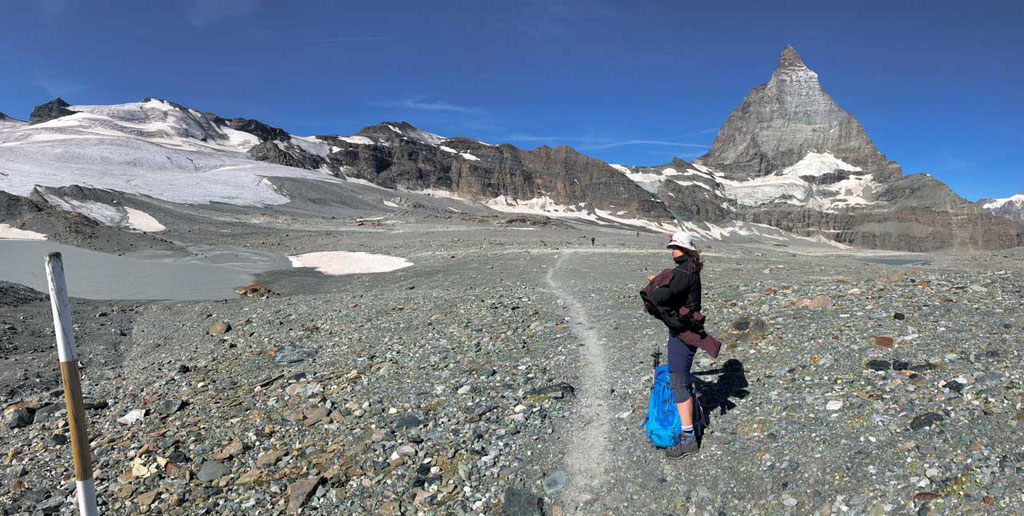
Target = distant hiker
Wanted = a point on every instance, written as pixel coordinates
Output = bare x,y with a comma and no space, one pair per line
592,240
638,234
682,291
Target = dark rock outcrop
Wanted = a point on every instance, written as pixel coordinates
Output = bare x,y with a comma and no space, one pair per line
254,127
262,131
14,207
53,109
287,154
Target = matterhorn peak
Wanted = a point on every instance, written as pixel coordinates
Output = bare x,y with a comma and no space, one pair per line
780,122
790,60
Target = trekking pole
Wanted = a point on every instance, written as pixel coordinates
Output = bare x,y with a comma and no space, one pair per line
86,487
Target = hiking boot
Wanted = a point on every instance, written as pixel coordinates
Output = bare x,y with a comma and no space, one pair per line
686,445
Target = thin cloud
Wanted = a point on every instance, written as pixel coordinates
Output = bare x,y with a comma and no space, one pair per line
53,8
590,143
699,133
349,39
204,12
530,138
60,87
609,145
956,162
417,103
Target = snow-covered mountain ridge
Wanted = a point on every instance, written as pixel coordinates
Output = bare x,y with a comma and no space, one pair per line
787,157
1010,207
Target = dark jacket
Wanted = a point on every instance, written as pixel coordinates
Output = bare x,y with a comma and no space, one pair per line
673,297
682,292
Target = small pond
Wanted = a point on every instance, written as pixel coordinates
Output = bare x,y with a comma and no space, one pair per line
212,273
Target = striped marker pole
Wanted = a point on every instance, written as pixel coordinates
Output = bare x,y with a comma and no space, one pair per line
72,385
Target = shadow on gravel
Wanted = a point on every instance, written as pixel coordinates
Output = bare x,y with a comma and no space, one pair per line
731,383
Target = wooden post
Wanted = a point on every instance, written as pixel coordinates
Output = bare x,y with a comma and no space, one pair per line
77,424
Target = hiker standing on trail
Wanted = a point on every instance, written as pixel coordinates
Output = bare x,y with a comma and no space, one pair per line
592,240
683,291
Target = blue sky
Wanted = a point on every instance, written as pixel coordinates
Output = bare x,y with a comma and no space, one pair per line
937,85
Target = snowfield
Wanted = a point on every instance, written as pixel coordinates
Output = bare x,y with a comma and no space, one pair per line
1017,200
339,263
149,148
789,186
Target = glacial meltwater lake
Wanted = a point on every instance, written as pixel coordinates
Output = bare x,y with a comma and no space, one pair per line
896,261
212,272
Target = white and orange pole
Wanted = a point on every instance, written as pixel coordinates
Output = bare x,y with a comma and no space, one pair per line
77,424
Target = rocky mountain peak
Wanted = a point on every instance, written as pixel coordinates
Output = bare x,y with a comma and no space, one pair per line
398,130
1010,207
790,60
780,122
55,108
252,126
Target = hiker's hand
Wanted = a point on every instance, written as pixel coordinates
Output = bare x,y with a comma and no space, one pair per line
650,278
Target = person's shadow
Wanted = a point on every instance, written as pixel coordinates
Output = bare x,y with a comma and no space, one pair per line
731,383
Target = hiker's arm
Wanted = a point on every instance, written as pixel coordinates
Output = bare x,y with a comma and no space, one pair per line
675,290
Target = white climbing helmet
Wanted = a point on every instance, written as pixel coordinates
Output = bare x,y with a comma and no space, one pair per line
682,240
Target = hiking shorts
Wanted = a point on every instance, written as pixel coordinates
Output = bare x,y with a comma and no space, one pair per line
680,359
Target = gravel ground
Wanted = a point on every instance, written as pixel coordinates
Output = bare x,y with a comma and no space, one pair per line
507,371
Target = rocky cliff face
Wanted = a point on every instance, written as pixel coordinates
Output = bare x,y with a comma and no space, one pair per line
780,122
397,155
690,192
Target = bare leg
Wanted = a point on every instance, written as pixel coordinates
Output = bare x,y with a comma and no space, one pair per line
686,412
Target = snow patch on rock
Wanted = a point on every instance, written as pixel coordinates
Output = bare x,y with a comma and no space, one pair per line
143,221
994,204
789,186
465,155
312,145
8,232
358,140
818,164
